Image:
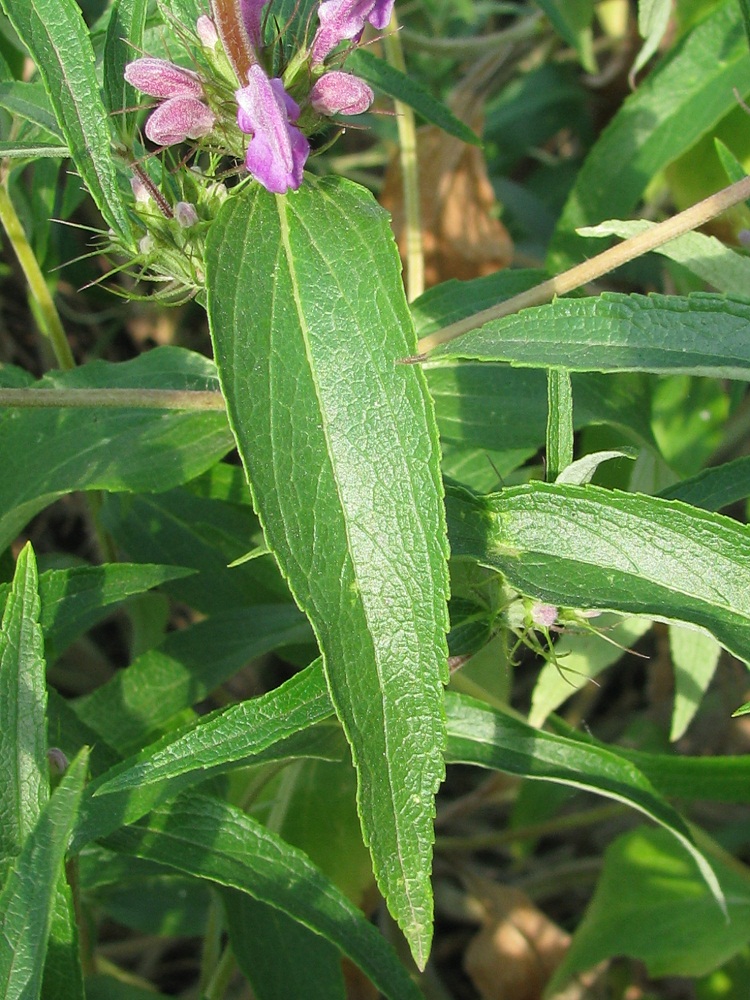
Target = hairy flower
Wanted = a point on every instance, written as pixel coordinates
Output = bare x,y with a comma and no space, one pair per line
178,119
251,11
207,33
278,150
182,114
338,93
159,78
344,20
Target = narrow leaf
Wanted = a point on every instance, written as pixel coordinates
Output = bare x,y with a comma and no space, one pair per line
699,334
309,319
695,656
259,933
718,265
54,451
59,43
30,102
559,422
714,488
122,44
212,840
478,734
651,904
28,895
24,771
391,81
583,546
653,18
253,731
676,105
132,707
31,150
75,599
63,977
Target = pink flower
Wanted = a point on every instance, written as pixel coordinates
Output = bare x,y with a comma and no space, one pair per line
338,93
178,119
344,20
251,11
182,114
207,33
278,150
159,78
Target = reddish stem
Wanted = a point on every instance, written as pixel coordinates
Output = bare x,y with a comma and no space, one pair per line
234,37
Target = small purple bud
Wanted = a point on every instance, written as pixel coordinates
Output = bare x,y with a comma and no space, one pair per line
207,33
543,615
159,78
338,93
178,119
344,20
277,152
185,214
58,762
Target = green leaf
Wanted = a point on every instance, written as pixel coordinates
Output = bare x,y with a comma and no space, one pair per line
571,19
75,599
695,656
254,731
478,734
677,104
136,703
716,779
31,150
30,102
59,43
54,451
583,546
582,471
28,895
653,18
699,334
122,44
24,771
391,81
651,904
259,934
745,11
705,256
714,488
212,840
205,533
63,977
308,318
559,422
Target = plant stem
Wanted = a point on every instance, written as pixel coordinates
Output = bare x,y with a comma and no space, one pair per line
407,136
50,319
603,263
136,399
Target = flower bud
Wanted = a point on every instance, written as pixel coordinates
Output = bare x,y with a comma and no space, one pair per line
344,20
159,78
141,193
178,119
207,33
337,93
185,214
543,615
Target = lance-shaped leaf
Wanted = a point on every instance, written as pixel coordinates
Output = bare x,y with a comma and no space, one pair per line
28,895
58,40
24,772
587,547
215,841
477,734
309,320
699,334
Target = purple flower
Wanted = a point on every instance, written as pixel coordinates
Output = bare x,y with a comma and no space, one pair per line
178,119
278,150
342,20
181,115
159,78
251,11
338,93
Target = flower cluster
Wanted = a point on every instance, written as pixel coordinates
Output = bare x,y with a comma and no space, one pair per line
277,110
